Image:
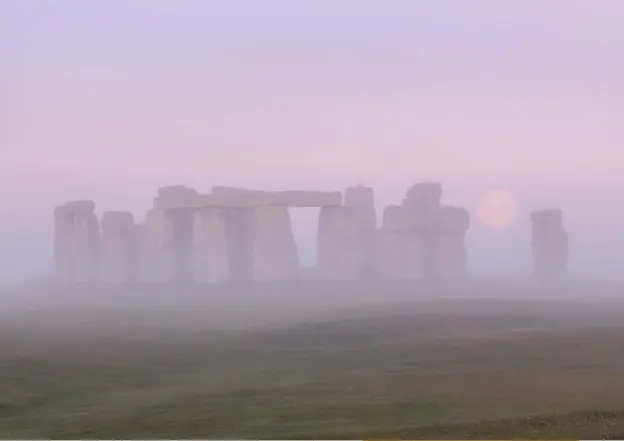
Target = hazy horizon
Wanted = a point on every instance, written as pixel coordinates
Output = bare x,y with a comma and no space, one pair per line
109,100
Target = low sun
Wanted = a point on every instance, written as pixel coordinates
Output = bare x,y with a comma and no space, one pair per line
497,209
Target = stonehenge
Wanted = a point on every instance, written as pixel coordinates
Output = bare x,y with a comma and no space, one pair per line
362,200
409,235
119,260
341,245
242,235
274,249
76,241
549,244
210,252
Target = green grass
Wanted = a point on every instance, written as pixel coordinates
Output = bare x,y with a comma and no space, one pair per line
422,369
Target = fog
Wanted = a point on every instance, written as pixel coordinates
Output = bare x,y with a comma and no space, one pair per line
592,217
519,96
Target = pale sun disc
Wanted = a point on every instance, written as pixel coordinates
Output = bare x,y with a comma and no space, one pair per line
497,209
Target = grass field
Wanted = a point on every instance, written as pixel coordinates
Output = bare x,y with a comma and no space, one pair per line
402,364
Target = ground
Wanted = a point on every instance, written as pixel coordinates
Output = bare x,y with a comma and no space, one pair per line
404,361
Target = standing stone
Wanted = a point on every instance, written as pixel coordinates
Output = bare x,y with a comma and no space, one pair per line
119,258
403,245
76,242
549,244
64,260
341,244
275,252
424,196
240,228
240,231
423,200
156,242
182,243
450,253
210,256
362,200
172,221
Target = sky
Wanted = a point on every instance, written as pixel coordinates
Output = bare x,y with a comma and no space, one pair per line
109,99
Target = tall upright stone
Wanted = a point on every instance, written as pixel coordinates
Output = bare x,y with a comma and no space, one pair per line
423,199
119,250
182,244
170,235
341,243
450,250
362,200
275,252
210,255
64,258
404,246
156,242
240,229
76,242
549,244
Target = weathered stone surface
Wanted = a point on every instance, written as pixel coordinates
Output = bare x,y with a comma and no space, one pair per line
551,218
170,202
182,246
232,197
362,200
76,242
549,244
341,244
87,247
176,191
210,258
240,231
167,246
173,203
175,196
229,197
451,256
452,220
63,243
275,252
156,242
402,255
423,201
424,195
222,190
119,250
85,206
402,218
305,199
235,200
404,244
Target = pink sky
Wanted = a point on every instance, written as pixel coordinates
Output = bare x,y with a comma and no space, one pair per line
110,99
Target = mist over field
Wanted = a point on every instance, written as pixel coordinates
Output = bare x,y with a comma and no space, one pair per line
309,359
110,100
